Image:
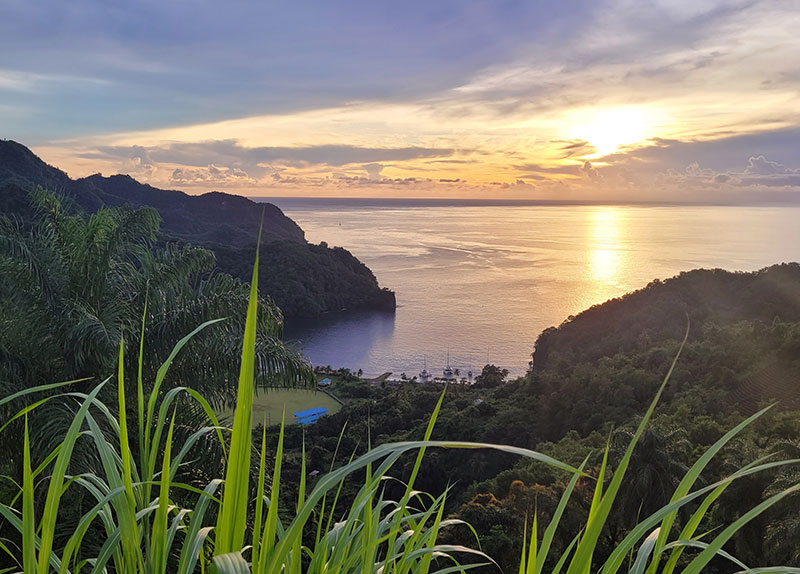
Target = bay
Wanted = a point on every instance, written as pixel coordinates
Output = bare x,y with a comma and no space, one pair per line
478,281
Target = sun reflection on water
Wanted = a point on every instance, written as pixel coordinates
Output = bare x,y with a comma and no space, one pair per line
606,233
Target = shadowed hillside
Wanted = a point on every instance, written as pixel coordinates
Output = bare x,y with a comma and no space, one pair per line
304,280
215,217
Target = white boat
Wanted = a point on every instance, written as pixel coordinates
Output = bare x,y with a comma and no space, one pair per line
447,372
424,375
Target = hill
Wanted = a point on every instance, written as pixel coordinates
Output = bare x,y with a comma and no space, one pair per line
214,217
660,311
304,280
591,378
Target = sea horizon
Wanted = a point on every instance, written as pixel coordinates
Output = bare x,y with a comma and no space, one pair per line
784,200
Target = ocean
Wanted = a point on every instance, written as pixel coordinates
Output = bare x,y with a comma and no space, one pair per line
478,280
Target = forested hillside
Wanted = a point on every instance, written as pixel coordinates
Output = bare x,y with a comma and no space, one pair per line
304,280
592,377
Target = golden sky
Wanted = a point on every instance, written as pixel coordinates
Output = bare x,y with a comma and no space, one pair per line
604,101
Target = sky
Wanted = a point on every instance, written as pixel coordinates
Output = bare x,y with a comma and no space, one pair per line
605,100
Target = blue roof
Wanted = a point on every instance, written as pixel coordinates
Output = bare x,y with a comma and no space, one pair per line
309,420
318,412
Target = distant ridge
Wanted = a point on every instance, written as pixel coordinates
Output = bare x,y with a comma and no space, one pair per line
215,217
303,279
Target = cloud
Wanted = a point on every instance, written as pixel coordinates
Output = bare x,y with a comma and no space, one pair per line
535,168
255,160
167,64
576,148
211,175
758,180
590,171
374,170
535,176
762,166
787,181
719,154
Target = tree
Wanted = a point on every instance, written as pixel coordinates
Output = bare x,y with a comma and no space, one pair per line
491,376
656,468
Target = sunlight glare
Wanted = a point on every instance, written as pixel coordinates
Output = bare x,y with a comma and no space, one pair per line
609,129
605,255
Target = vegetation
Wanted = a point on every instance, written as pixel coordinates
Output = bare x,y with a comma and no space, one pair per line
742,354
75,286
143,527
302,279
144,517
307,280
79,284
137,474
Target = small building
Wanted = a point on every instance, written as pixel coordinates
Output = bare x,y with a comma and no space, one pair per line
309,416
325,382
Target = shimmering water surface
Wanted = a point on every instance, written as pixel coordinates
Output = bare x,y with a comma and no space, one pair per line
482,281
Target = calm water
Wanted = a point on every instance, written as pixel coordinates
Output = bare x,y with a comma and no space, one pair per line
482,281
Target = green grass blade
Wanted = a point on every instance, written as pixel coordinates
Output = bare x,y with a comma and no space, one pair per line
197,534
301,496
55,489
159,542
260,495
417,464
703,546
532,562
25,411
160,375
691,526
270,528
691,477
645,551
550,531
231,563
212,416
772,570
696,566
83,525
11,555
125,511
127,475
617,557
39,388
565,556
12,517
28,518
140,390
523,560
230,526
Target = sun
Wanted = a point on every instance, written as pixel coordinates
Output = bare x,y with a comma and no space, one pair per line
609,129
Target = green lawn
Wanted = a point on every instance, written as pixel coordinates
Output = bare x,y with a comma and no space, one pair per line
270,404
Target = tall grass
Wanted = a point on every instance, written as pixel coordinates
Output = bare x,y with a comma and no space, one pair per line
144,523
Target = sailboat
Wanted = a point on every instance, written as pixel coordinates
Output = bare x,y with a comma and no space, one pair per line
424,375
469,375
447,372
